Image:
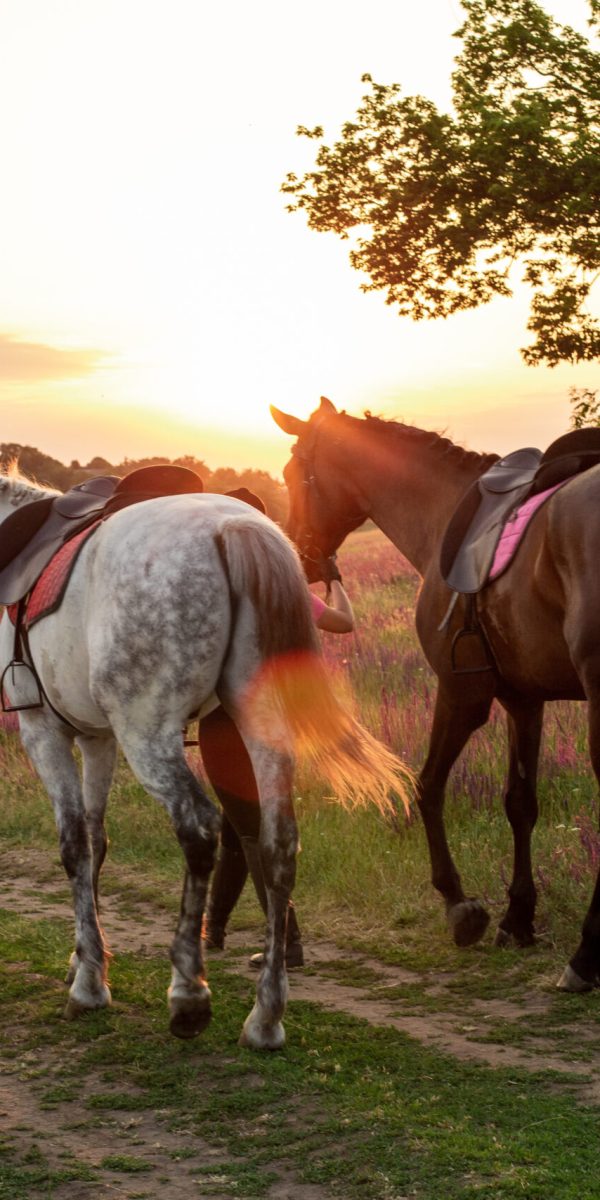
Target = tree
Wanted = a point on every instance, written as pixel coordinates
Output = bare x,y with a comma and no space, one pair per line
445,207
585,407
100,465
50,472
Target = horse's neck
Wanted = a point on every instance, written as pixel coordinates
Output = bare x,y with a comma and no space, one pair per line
411,491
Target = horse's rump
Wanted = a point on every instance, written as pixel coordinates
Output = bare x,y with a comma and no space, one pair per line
146,613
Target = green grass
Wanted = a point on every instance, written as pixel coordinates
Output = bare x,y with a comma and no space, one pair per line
362,1111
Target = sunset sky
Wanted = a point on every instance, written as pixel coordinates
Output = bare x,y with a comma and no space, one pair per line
155,296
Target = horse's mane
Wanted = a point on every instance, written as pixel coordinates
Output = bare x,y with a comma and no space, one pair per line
22,485
430,440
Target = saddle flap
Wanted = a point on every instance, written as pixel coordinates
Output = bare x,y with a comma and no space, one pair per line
511,472
86,498
466,562
21,526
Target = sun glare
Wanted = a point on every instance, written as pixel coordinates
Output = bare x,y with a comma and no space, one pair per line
161,296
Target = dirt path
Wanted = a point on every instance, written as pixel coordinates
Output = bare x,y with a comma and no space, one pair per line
146,928
135,925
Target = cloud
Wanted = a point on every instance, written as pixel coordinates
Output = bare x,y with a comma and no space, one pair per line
26,362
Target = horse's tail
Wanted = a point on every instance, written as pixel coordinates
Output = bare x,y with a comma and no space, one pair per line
292,681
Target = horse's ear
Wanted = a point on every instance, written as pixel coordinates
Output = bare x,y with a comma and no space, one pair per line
289,424
326,406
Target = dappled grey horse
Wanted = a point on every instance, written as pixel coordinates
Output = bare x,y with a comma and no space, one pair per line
171,602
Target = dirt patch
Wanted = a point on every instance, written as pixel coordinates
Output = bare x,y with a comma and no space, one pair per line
148,929
141,1142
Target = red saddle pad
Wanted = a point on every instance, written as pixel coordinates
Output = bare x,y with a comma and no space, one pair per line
48,591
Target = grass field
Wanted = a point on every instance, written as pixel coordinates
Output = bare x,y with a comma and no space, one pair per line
411,1068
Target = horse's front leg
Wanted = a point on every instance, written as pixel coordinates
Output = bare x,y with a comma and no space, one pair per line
456,717
99,757
272,864
520,802
51,752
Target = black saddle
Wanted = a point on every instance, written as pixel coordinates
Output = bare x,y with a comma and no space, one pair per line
474,530
33,533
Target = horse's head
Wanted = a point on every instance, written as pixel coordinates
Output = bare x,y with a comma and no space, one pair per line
324,506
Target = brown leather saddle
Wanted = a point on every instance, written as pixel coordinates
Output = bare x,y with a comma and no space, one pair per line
474,530
33,533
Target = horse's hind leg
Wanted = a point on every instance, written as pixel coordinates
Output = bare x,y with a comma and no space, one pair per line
160,766
99,757
272,862
51,752
520,801
582,972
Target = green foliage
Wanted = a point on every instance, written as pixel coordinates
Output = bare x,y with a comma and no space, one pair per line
442,206
585,408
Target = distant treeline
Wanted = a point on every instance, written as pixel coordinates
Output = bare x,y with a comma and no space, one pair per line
49,471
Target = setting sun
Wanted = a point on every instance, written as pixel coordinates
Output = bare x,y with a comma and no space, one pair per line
156,297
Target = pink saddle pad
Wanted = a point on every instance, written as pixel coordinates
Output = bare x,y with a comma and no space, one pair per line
512,534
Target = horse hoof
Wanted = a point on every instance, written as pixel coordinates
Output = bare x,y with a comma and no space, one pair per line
570,981
190,1018
507,939
75,1008
504,939
256,1037
468,922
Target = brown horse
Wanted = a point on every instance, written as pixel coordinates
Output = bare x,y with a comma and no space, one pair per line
540,620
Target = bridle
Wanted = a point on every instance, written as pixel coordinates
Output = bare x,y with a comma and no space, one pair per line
308,542
311,494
